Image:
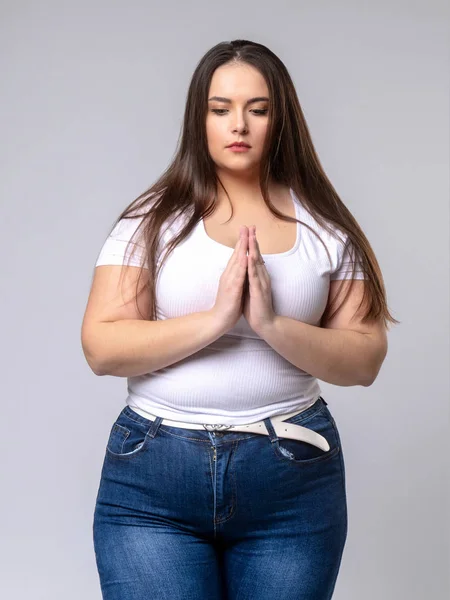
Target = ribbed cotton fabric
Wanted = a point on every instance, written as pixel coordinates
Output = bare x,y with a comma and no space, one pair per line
238,378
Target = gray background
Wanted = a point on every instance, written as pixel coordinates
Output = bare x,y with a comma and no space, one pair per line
92,99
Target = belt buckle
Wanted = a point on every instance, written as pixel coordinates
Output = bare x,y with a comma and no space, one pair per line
217,427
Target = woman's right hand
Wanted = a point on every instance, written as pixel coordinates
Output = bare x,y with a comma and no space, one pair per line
230,294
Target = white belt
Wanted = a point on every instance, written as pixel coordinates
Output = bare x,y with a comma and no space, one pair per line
282,429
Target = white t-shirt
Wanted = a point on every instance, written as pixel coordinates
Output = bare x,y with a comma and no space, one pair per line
238,378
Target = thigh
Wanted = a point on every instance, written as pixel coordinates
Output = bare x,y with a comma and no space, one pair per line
150,520
290,524
136,562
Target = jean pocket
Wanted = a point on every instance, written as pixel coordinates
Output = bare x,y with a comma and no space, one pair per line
128,437
302,454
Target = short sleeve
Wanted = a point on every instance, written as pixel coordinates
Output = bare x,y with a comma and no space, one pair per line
344,267
115,246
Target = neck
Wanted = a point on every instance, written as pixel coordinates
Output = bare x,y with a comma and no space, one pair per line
243,192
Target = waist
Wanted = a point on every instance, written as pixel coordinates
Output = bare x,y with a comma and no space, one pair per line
212,426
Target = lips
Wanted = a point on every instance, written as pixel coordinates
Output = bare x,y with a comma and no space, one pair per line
239,145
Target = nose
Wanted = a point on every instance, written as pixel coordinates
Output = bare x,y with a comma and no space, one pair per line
240,125
240,129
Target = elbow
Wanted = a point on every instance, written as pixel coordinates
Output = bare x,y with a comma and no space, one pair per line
368,381
372,372
95,365
375,359
97,370
93,350
369,377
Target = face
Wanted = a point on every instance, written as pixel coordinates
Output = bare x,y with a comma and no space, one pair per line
237,120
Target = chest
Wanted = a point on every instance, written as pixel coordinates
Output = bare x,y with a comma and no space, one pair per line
274,235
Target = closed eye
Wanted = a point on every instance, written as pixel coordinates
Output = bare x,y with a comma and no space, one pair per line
220,111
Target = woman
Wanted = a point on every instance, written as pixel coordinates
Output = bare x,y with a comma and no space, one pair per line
224,474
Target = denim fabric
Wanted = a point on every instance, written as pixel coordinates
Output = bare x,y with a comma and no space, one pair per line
201,515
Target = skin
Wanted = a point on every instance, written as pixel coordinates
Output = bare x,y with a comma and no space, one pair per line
343,352
239,172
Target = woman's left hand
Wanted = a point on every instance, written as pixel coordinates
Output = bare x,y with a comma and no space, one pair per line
258,308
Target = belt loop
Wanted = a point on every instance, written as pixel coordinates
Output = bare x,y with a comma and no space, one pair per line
154,427
271,431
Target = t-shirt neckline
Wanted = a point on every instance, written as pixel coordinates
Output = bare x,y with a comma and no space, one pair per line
201,227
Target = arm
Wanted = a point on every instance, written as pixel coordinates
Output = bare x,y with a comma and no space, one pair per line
131,347
336,356
342,351
118,339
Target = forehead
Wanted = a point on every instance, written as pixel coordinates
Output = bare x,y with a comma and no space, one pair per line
237,82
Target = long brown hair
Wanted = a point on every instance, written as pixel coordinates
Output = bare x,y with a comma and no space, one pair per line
189,185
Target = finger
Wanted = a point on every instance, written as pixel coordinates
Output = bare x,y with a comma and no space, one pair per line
239,241
235,260
258,251
253,271
252,250
259,261
259,273
240,244
262,264
243,248
239,258
257,246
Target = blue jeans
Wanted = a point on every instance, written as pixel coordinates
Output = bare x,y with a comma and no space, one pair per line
199,515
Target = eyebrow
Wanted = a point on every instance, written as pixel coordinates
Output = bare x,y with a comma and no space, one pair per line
228,101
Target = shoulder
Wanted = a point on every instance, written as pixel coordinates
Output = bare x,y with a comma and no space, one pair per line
126,228
329,244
